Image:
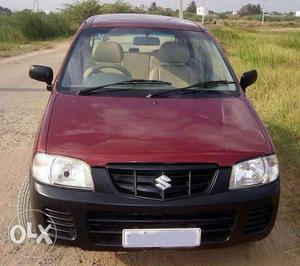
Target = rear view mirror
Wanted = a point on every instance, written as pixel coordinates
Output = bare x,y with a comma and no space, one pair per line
248,78
148,41
42,73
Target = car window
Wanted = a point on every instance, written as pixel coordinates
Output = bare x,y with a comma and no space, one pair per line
214,68
106,56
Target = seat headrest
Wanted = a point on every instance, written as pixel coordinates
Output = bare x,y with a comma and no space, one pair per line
174,53
108,52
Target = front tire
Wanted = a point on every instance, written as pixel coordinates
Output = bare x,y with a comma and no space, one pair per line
24,203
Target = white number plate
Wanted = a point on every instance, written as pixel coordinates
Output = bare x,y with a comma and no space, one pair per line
161,238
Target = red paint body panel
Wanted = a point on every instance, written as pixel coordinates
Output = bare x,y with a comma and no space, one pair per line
102,130
42,134
142,21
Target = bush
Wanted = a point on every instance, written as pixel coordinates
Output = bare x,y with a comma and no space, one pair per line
273,18
79,11
9,31
118,7
25,26
250,10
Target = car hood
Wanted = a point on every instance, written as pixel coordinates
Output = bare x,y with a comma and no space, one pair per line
102,130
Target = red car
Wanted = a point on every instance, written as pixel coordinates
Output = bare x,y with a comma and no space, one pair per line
148,141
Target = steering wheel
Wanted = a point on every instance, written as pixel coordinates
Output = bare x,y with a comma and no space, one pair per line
121,69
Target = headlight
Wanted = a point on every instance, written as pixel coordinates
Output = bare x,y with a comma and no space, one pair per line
254,172
62,171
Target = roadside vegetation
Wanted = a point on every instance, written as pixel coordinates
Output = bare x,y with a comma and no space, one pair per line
22,28
26,31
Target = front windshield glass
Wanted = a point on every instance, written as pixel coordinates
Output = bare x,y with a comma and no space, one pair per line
102,57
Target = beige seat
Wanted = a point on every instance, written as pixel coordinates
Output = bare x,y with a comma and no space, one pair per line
138,64
154,59
106,53
173,59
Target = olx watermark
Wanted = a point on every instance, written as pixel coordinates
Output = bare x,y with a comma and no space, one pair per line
29,240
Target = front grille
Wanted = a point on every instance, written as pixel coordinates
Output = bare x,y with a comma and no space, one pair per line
106,228
64,224
258,220
140,180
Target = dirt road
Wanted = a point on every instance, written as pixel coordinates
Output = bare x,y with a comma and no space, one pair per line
22,102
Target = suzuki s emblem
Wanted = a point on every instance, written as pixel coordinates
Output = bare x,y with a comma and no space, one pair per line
163,182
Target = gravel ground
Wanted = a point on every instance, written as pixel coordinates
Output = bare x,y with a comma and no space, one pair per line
22,102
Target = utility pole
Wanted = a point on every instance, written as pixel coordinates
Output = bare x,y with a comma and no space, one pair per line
35,7
180,7
264,12
203,17
263,18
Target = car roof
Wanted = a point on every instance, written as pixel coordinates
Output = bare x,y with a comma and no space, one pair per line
141,21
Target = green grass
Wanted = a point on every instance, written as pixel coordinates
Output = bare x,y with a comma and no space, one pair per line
276,95
26,26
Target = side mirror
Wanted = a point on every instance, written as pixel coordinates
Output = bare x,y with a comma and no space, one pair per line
42,73
248,78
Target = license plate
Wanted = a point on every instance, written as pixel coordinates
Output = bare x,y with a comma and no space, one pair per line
161,238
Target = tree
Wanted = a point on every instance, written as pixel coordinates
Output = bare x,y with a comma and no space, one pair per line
119,6
192,7
80,10
249,10
153,6
5,11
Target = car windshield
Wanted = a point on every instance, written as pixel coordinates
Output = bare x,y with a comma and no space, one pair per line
108,59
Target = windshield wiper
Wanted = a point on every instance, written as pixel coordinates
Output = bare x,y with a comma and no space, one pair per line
200,85
209,84
127,82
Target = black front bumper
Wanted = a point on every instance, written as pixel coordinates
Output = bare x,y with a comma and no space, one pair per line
95,220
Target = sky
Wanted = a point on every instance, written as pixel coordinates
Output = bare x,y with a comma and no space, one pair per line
215,5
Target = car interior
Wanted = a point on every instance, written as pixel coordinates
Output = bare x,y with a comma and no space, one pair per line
102,59
167,64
